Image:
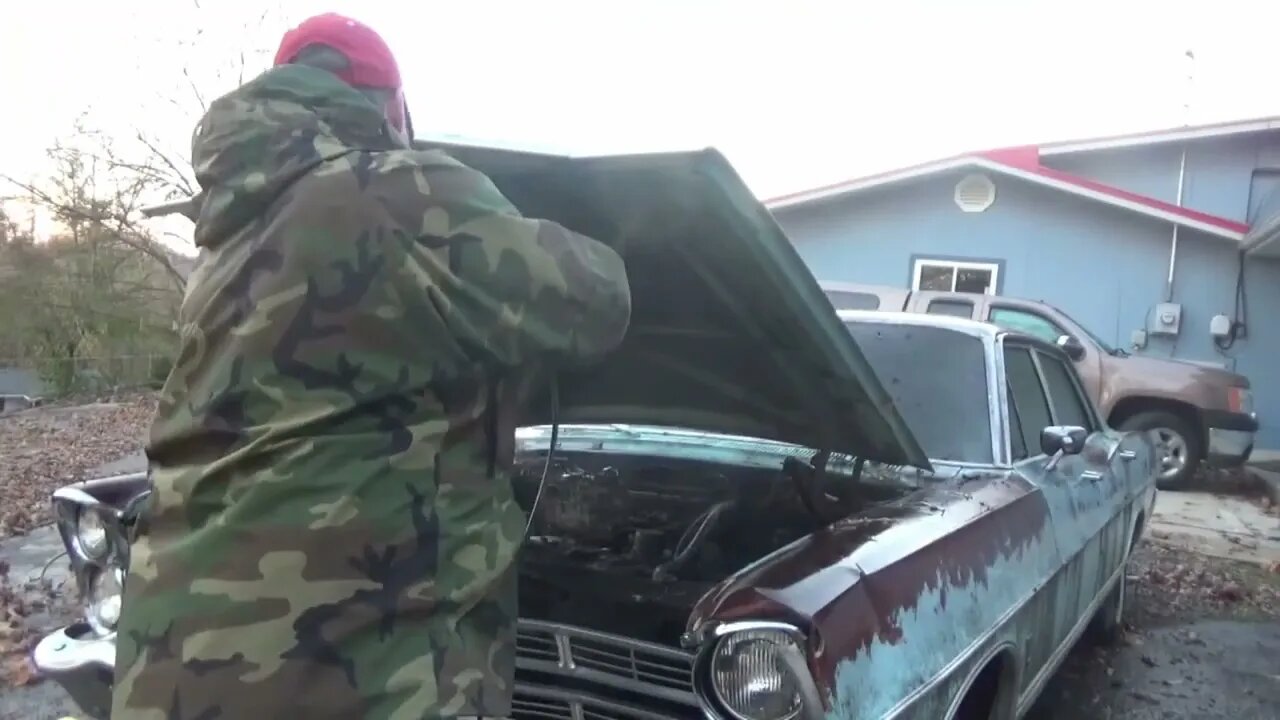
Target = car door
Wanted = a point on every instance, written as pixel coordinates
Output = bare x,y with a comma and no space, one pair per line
1073,486
1029,413
1099,496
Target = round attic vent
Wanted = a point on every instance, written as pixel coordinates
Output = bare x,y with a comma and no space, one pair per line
975,193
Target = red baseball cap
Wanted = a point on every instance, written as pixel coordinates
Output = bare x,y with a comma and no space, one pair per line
371,63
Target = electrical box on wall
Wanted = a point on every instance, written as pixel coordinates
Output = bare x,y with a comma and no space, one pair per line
1166,320
1220,326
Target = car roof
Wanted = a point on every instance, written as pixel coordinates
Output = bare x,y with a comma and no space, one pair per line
967,326
949,322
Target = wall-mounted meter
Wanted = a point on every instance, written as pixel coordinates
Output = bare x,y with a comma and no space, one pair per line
1165,320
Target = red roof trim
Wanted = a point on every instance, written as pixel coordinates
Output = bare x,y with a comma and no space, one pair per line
1024,161
1028,159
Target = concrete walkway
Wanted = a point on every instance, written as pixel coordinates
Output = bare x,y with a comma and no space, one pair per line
1217,525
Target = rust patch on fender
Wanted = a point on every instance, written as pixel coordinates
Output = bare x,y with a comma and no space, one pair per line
852,581
872,611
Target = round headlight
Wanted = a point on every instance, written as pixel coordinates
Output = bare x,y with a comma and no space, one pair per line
750,678
91,535
106,591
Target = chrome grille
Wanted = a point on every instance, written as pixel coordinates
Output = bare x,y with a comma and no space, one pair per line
548,703
566,672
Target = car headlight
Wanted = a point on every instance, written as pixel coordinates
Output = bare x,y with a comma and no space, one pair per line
91,535
106,593
750,677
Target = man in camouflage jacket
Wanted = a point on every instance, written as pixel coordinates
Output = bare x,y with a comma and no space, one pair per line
332,533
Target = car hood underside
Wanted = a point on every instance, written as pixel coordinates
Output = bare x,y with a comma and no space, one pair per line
730,332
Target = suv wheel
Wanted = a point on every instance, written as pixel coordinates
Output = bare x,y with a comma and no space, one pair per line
1179,448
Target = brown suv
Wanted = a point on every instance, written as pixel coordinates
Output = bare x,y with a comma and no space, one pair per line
1193,413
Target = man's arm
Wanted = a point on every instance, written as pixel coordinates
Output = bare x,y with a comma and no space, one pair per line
512,289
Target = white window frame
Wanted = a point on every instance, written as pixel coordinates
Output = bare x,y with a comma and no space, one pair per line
956,266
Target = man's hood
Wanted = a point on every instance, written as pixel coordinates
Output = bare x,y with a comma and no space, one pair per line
729,332
257,140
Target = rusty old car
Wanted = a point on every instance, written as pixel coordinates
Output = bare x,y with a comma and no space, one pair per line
758,509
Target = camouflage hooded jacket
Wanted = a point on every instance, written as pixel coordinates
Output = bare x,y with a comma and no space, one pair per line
331,532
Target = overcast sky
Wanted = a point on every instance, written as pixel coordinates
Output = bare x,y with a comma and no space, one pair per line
796,93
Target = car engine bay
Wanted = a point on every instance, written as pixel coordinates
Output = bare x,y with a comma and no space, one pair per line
627,544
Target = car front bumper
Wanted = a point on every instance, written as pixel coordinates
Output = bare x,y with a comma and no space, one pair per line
82,663
600,675
1230,438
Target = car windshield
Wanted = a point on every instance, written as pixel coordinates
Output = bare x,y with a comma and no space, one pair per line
937,378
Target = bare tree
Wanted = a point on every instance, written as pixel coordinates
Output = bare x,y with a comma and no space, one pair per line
88,187
108,281
119,174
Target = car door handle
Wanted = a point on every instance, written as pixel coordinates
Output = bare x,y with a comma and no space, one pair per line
1091,475
1127,455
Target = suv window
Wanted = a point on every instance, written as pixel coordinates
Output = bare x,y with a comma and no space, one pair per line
944,404
850,300
1068,407
955,308
1026,322
1026,399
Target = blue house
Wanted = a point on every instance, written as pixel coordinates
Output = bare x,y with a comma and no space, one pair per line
1109,230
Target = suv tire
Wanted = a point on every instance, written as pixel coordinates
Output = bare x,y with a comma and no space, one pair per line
1184,440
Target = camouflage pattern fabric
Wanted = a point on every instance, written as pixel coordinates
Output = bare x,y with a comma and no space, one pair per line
332,533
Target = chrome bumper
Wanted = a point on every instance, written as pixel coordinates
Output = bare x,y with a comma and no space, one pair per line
562,673
83,663
1229,447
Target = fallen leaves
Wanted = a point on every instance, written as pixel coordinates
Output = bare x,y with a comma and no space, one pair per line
1171,583
27,611
47,447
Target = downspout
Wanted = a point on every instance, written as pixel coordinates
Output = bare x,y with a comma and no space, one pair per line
1173,245
1182,171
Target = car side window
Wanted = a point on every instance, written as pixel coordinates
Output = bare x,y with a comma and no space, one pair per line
1026,322
850,300
1026,398
955,308
1068,406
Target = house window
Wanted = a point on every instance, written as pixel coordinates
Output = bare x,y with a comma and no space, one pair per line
955,276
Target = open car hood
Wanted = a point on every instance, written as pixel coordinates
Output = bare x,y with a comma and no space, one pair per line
729,330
